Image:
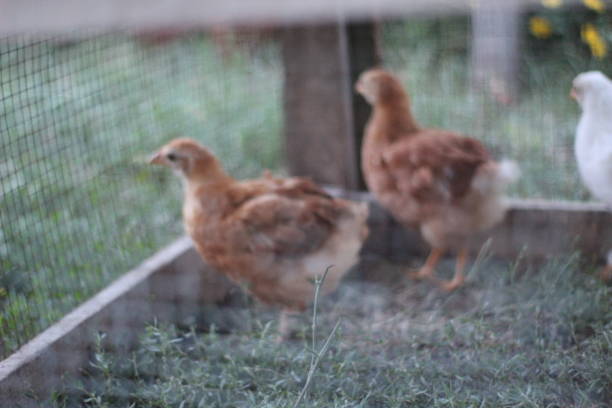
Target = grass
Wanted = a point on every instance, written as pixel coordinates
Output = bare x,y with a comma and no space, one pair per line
507,339
78,205
537,132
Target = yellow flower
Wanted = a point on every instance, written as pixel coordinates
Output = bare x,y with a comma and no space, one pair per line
540,27
552,3
591,36
596,5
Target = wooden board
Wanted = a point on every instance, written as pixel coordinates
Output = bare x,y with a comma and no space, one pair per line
495,50
324,117
535,230
174,284
318,120
168,287
364,53
66,16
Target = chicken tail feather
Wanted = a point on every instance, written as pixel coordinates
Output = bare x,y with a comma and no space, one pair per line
495,177
508,172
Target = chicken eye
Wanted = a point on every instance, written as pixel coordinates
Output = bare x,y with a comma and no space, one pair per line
171,156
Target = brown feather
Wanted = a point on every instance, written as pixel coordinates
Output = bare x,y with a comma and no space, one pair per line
272,234
424,177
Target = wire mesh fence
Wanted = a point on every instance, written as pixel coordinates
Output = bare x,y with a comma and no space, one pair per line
537,130
80,114
78,118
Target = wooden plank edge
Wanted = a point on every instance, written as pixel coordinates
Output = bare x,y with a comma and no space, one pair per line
150,291
66,16
534,229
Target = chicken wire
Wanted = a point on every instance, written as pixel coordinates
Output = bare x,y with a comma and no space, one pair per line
81,113
79,117
536,130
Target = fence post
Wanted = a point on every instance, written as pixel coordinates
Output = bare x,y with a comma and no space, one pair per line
496,49
364,50
323,118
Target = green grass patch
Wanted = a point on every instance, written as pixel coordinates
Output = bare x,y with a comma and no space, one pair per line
79,206
540,338
432,59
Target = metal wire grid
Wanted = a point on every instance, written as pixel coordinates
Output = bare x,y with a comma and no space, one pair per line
537,131
79,116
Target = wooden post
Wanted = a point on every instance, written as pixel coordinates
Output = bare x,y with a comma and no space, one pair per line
495,49
322,136
364,52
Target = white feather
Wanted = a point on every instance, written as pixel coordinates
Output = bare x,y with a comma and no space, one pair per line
508,172
593,144
494,178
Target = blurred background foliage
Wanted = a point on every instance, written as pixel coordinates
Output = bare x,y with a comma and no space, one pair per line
584,27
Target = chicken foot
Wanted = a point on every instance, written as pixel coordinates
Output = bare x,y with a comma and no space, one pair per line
458,278
427,270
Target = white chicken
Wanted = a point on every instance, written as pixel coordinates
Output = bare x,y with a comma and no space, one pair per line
593,145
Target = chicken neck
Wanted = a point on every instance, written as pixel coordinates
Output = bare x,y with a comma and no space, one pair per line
394,120
206,193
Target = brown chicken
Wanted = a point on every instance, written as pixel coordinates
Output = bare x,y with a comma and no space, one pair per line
272,235
439,181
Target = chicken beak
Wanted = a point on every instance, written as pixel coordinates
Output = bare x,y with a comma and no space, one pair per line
573,94
157,158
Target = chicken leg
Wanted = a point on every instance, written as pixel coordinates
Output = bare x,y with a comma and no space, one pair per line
458,278
427,270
